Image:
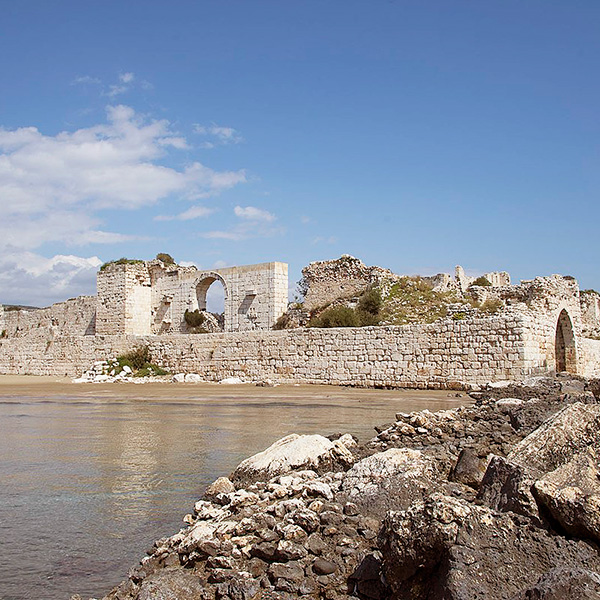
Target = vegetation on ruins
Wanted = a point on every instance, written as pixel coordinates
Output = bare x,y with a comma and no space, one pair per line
121,261
367,312
413,300
165,258
3,334
195,320
492,305
139,360
482,281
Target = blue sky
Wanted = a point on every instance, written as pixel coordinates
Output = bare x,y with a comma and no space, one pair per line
415,135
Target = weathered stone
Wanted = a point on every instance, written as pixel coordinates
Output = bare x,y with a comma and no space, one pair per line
324,567
506,486
571,494
171,585
446,548
290,453
220,486
564,584
556,441
390,480
469,469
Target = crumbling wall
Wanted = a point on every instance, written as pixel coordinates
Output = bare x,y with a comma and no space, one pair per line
76,316
326,281
590,313
124,299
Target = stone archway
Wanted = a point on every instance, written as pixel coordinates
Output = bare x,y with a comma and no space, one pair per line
564,344
201,288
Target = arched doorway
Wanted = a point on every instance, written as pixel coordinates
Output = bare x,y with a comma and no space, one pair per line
212,298
564,344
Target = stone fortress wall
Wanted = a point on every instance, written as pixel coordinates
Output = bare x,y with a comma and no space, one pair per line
540,330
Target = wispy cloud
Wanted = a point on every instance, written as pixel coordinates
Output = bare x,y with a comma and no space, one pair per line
86,80
194,212
219,136
251,213
255,222
324,240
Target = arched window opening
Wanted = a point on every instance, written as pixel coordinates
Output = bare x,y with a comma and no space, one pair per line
564,345
210,296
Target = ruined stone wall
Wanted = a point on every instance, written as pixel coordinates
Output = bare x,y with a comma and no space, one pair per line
76,316
590,312
124,297
511,345
436,355
151,298
326,281
589,357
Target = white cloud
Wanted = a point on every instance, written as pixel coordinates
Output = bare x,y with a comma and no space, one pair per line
324,240
52,186
194,212
126,77
31,279
255,223
221,136
86,80
251,213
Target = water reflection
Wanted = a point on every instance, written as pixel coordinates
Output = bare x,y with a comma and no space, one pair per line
89,480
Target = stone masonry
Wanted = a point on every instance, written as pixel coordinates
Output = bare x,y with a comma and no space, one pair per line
539,330
151,297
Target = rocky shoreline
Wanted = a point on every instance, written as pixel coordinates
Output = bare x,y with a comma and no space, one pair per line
496,500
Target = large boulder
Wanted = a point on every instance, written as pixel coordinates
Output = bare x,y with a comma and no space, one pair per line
295,452
571,494
444,548
508,483
506,486
562,583
390,480
557,440
172,584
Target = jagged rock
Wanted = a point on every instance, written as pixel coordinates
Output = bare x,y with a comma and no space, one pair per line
171,584
469,469
506,486
564,584
557,440
292,452
368,578
222,485
390,480
571,494
447,549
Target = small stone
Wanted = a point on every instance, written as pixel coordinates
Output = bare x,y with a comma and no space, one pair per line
324,567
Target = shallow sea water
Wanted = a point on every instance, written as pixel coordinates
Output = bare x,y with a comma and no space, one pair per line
91,475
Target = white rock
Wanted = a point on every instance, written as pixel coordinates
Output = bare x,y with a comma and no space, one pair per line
292,452
497,385
509,402
126,369
178,378
192,378
231,381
